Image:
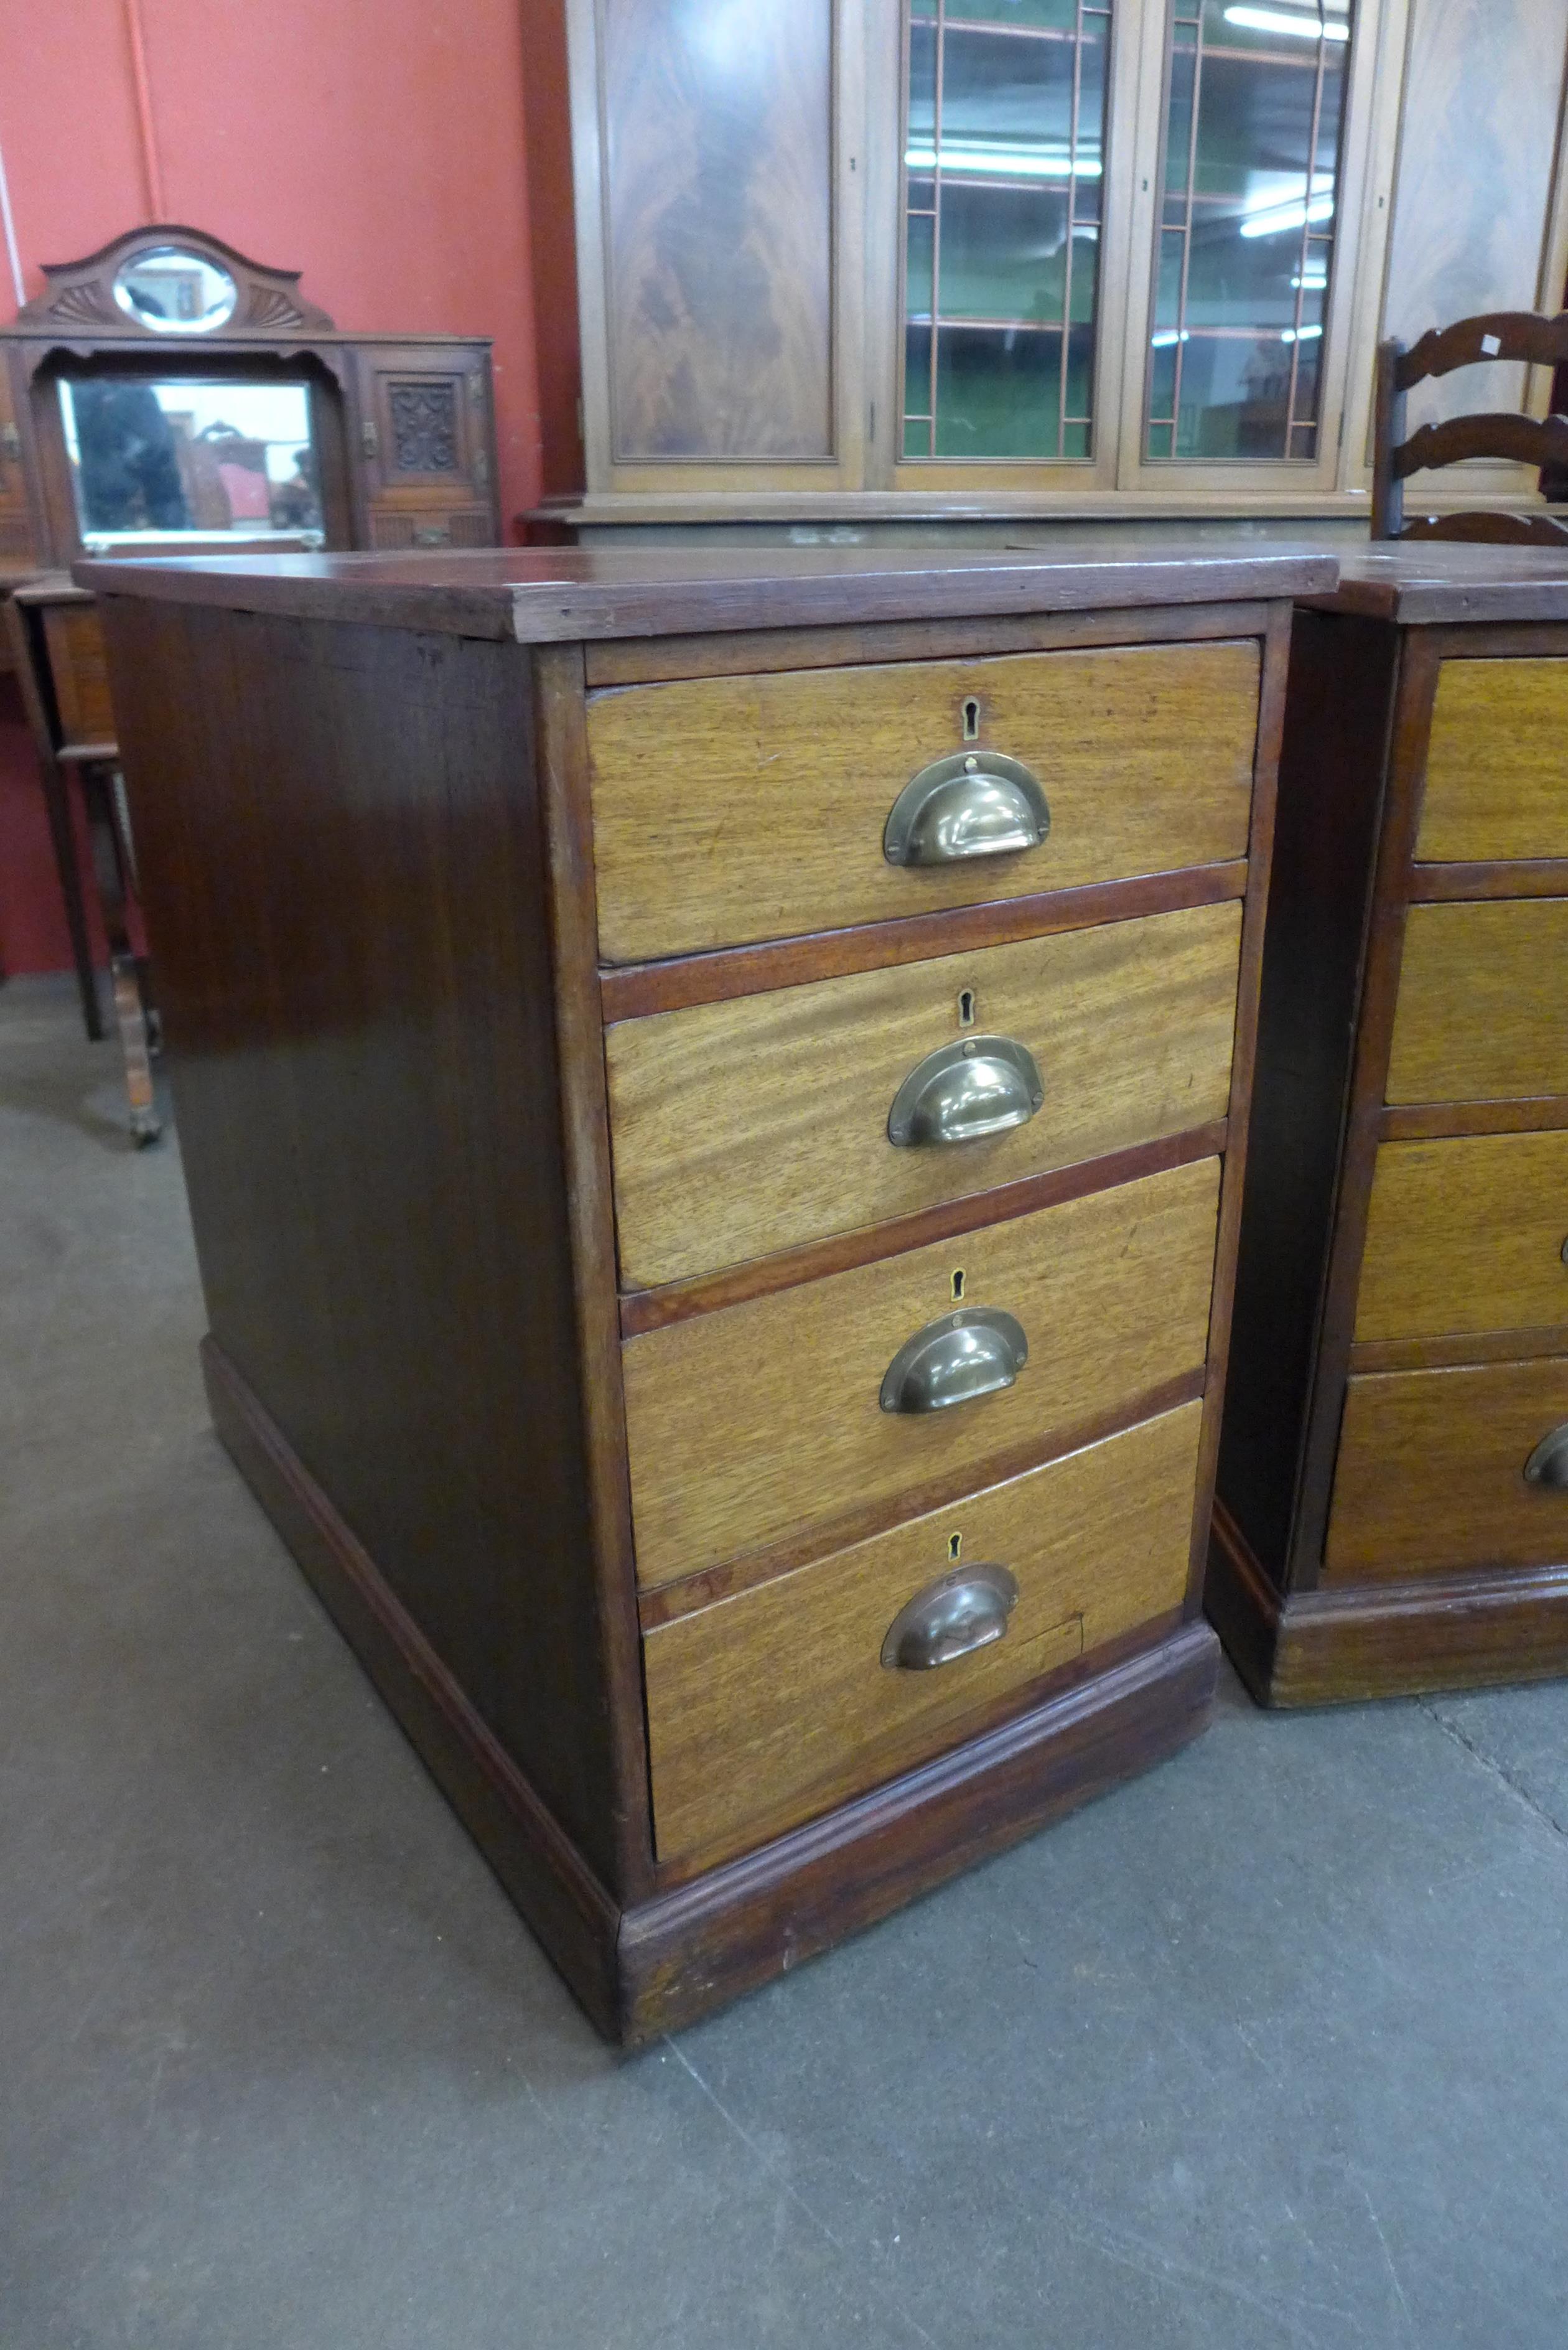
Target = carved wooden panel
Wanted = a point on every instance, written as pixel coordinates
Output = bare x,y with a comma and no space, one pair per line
423,427
1473,205
80,294
424,432
426,419
717,140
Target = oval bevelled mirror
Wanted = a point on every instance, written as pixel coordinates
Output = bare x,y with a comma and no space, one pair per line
173,292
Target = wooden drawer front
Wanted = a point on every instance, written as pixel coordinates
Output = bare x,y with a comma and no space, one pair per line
1479,1016
742,1128
752,1422
1466,1234
1496,763
1430,1472
79,668
768,1708
733,808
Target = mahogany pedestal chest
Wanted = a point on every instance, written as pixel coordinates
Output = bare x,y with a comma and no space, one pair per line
1393,1484
710,1090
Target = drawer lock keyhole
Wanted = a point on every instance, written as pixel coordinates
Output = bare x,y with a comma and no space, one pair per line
971,719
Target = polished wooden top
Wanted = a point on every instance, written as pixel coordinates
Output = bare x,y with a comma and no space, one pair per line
50,587
541,595
1427,581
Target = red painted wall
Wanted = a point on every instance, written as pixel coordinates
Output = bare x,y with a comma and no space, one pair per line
379,146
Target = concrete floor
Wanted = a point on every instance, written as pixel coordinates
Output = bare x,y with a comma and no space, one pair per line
1268,2048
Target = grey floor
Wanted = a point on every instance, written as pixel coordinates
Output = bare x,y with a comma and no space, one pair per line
1268,2048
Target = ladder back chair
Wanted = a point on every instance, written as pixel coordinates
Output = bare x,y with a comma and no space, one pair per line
1519,335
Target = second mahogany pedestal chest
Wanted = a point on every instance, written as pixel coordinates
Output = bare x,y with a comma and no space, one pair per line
1393,1489
711,1093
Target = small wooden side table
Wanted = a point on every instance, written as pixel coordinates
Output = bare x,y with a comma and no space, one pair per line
57,645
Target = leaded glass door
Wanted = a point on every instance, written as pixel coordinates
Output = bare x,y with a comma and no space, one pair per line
1007,220
1254,126
1250,178
1125,247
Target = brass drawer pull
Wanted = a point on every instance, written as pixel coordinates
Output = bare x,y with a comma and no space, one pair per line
975,804
961,1093
950,1619
1548,1464
976,1352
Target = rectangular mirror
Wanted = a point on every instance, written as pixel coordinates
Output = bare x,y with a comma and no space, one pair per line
189,459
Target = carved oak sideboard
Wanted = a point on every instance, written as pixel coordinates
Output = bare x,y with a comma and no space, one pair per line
398,430
711,1091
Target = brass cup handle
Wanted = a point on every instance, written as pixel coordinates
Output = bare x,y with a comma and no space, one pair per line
1548,1464
961,1093
977,1351
975,804
950,1619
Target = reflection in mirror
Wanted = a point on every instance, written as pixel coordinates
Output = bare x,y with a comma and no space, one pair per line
175,293
156,460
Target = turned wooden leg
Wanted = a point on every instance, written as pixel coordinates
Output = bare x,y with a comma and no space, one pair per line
63,839
112,868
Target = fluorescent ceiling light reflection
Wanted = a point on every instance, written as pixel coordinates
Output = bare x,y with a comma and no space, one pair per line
1273,219
1314,281
1163,341
1005,162
1276,20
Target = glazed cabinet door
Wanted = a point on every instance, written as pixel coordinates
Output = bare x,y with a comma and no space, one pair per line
1002,181
1258,229
1478,213
1092,251
425,446
720,172
1125,246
